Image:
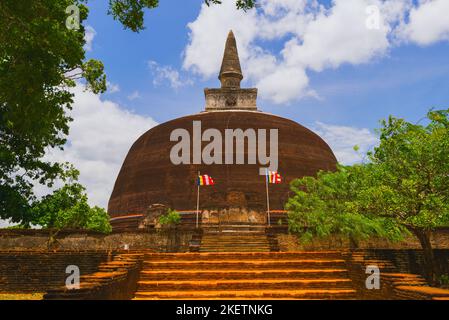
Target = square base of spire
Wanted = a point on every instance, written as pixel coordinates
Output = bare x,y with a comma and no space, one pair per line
231,99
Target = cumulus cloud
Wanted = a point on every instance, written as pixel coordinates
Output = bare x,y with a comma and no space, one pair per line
162,74
343,139
4,224
100,136
428,23
313,37
89,36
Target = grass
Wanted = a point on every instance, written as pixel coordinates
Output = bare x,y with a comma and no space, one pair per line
21,296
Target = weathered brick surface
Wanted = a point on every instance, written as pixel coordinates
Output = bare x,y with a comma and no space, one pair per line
289,242
397,278
245,275
38,271
166,240
114,280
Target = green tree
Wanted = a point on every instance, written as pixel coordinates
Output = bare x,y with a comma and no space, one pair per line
411,184
131,12
327,205
40,59
404,188
68,208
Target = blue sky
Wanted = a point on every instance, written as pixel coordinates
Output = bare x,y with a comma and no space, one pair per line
319,63
405,82
337,67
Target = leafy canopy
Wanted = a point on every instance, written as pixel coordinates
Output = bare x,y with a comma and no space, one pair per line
405,185
412,178
40,60
67,208
327,205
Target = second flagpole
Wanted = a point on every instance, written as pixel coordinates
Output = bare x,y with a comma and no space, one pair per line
198,199
268,198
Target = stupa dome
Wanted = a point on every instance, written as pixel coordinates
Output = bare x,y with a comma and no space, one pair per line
149,176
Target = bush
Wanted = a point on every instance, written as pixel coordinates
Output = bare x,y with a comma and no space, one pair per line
172,217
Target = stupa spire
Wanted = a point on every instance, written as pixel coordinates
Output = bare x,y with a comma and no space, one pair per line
231,72
230,96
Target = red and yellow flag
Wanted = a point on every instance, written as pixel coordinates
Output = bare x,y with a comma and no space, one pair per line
205,180
274,177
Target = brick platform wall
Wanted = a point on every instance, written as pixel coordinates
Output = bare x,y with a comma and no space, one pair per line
164,240
289,242
115,280
36,271
397,267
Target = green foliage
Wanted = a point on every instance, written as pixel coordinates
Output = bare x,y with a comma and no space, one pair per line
40,59
404,188
412,180
240,4
131,12
405,185
327,205
172,217
67,208
444,279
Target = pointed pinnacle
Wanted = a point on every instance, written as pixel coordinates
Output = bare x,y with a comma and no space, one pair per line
231,72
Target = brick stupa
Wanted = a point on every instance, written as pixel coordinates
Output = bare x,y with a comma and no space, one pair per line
148,176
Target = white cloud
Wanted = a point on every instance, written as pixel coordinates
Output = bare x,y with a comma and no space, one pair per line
100,136
135,95
428,23
343,139
313,37
167,73
113,87
4,224
89,36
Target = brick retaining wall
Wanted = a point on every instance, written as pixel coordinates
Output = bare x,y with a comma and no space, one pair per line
40,271
115,280
289,242
164,240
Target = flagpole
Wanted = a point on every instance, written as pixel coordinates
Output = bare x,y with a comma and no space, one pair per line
198,200
268,198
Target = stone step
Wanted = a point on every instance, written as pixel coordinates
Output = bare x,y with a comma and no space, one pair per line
329,294
243,264
233,238
245,284
229,237
235,245
244,256
240,241
243,274
205,250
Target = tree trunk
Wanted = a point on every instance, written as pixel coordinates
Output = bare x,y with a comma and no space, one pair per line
430,266
353,244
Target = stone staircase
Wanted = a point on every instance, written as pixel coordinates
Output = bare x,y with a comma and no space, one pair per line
245,275
234,238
